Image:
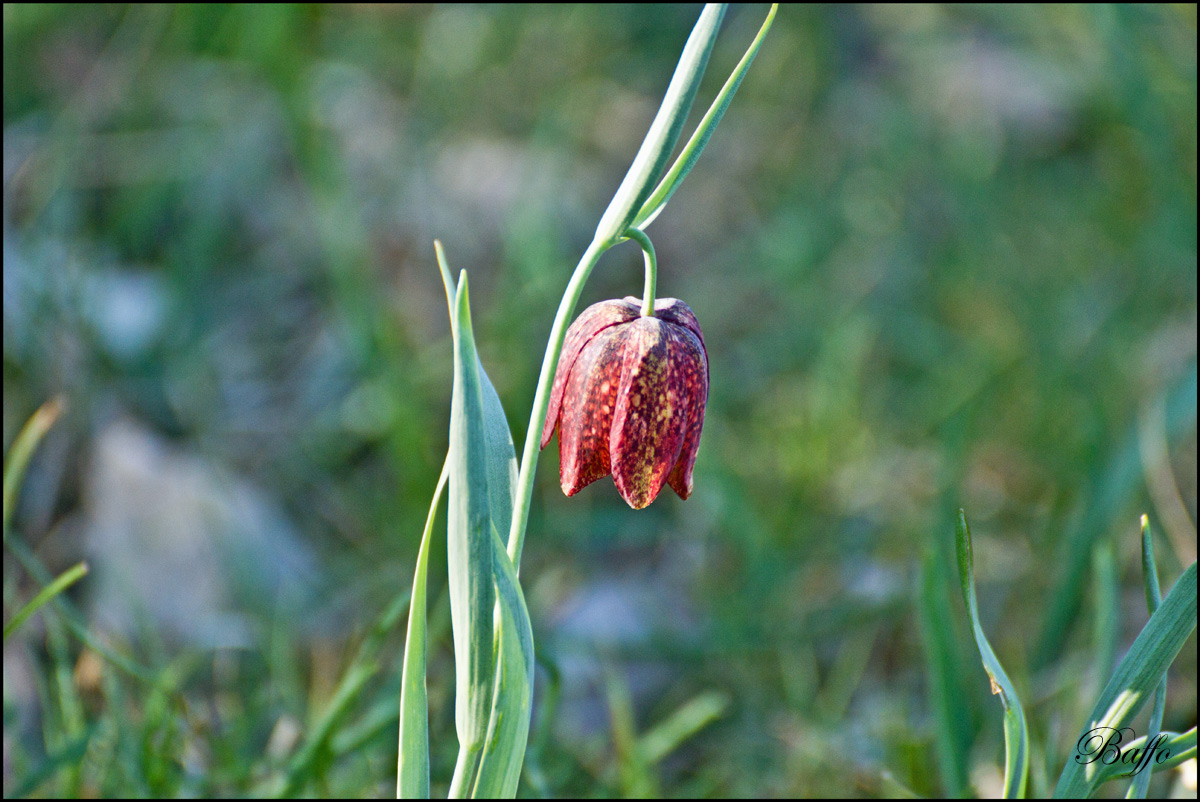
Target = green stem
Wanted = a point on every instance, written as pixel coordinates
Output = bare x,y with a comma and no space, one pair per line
639,236
541,398
464,772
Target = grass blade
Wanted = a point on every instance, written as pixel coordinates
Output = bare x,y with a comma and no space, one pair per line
666,736
62,582
695,146
17,459
1016,734
304,766
636,779
1142,668
508,730
1141,780
1106,624
1176,747
944,672
1111,489
74,620
651,159
412,770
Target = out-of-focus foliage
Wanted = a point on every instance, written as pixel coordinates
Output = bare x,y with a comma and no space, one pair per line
943,257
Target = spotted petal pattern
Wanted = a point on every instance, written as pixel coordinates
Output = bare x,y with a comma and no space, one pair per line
591,397
594,319
629,397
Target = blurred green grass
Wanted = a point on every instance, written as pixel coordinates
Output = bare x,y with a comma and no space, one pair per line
943,257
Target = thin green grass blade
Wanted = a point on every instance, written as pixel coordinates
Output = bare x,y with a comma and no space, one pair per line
67,755
508,730
62,582
73,619
1106,623
669,734
541,729
636,779
304,766
1016,734
1175,749
412,770
1141,780
704,131
1111,490
1142,668
17,459
944,673
651,159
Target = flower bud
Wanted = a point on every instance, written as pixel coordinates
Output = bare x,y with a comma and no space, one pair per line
628,399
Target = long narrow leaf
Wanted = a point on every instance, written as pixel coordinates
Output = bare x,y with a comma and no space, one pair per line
943,668
1112,487
1105,627
669,734
469,543
695,145
1142,668
501,453
1141,780
508,730
62,582
491,471
305,765
651,159
1016,735
1173,748
22,449
412,770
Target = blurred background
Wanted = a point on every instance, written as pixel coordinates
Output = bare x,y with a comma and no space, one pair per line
943,257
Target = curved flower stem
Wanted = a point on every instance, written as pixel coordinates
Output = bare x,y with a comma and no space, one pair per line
541,398
639,236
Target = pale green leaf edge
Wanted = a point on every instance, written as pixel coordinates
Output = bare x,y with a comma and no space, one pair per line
498,469
469,541
1141,781
508,731
412,770
1016,733
708,124
1180,746
1141,669
652,157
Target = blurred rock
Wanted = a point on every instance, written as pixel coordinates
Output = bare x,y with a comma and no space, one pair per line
178,546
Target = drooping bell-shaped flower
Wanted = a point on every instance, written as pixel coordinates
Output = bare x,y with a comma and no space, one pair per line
628,399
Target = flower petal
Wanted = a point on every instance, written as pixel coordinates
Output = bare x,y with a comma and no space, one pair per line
591,322
649,422
588,402
674,311
691,361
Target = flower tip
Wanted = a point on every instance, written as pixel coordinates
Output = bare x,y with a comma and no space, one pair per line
639,504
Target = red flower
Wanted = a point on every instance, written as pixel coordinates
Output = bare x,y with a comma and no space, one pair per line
628,399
